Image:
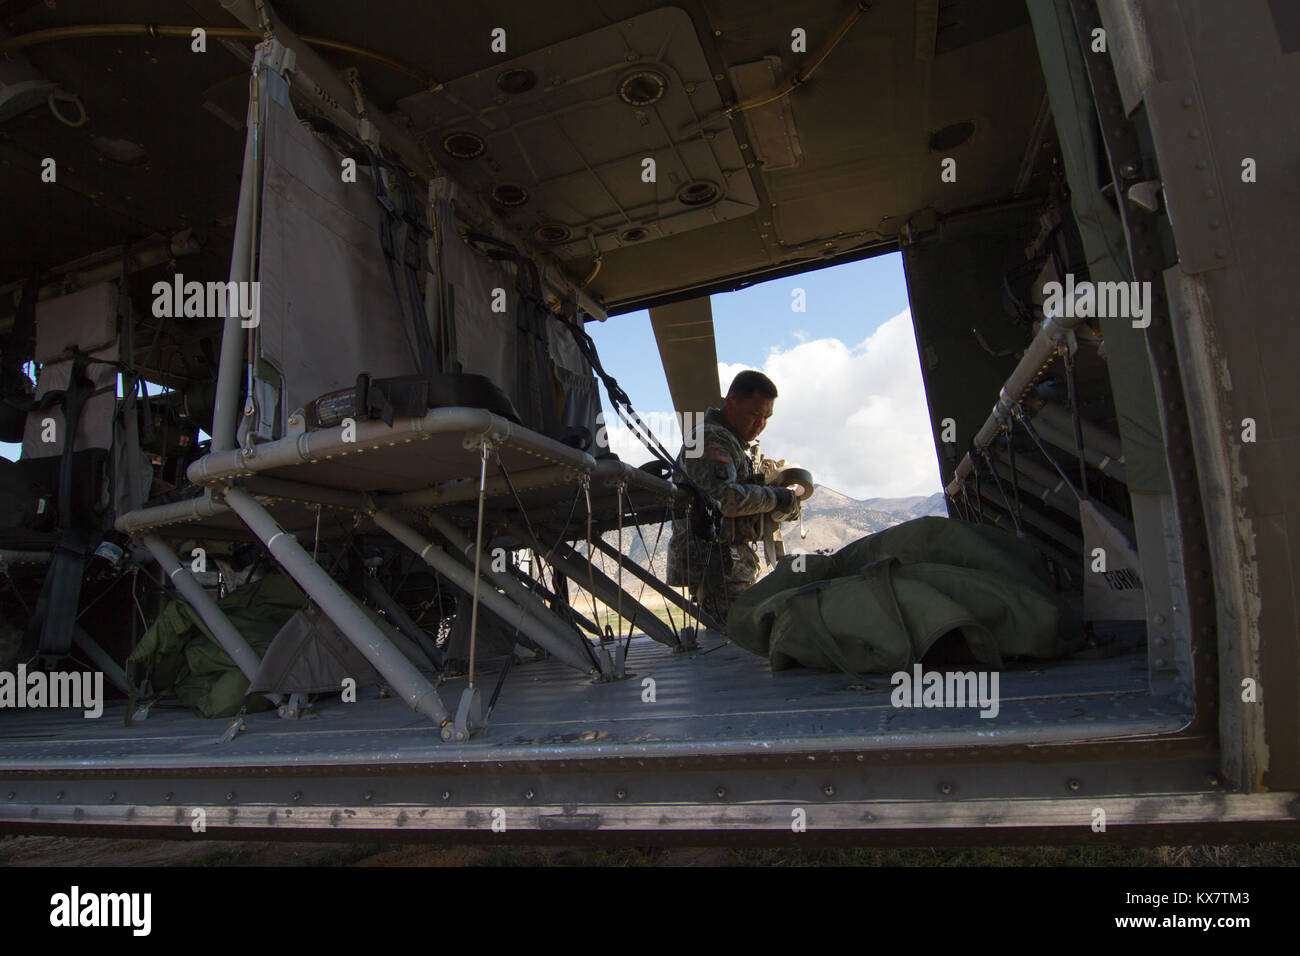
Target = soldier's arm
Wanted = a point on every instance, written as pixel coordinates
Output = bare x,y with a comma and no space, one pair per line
715,472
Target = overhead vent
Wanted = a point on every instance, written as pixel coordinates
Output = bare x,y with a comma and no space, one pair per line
516,81
464,146
509,195
552,233
697,194
642,88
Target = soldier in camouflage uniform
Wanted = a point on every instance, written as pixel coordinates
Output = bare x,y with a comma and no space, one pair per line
721,465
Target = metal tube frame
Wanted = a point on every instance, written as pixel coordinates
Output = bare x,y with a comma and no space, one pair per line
663,590
1030,516
575,566
230,366
226,634
1049,340
174,512
385,601
394,666
99,657
476,424
1051,433
516,614
541,591
520,594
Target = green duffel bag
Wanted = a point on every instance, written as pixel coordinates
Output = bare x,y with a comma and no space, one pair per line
885,602
179,654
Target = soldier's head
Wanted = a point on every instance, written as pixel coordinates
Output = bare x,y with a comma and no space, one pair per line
749,404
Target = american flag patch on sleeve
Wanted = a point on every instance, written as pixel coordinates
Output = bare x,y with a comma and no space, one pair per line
717,454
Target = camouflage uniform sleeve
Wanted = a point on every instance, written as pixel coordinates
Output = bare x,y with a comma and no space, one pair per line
746,528
715,471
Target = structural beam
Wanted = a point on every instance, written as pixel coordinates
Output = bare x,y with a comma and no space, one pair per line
501,605
582,573
684,334
641,574
231,641
394,666
378,594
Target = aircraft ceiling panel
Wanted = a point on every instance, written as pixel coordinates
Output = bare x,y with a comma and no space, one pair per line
881,168
607,140
873,124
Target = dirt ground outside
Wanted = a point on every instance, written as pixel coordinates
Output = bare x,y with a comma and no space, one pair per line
26,851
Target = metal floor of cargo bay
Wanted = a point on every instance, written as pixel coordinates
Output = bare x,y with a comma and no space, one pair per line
719,698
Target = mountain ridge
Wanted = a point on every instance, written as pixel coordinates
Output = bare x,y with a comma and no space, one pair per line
833,520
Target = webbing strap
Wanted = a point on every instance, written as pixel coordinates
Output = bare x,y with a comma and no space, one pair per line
398,230
523,512
708,511
50,627
532,354
1015,515
401,235
1033,434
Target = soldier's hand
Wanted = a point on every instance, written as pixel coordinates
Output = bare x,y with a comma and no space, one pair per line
785,499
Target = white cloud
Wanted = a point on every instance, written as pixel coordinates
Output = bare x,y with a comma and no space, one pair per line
855,416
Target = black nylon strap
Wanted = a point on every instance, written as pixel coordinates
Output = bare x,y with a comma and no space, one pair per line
706,510
49,632
50,627
402,234
532,355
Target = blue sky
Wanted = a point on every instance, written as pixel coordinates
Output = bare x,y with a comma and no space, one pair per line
847,302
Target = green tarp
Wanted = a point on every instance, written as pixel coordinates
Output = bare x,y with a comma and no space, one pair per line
884,602
179,654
